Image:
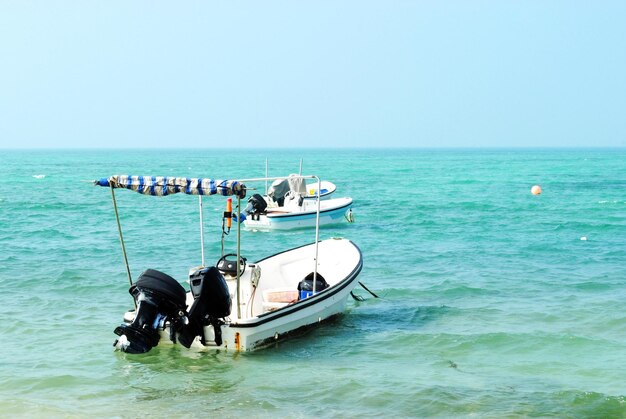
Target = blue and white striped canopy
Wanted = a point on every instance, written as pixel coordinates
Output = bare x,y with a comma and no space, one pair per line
164,185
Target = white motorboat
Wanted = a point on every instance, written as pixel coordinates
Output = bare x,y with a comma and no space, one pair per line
234,305
290,204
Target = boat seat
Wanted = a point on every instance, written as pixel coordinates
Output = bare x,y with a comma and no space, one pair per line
275,298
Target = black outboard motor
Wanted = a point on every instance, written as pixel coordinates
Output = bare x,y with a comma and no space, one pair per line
159,298
211,303
256,205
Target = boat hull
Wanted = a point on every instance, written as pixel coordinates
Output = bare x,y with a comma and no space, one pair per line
250,336
332,211
259,323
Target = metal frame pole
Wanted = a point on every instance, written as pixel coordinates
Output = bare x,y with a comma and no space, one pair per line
119,229
201,229
317,231
238,256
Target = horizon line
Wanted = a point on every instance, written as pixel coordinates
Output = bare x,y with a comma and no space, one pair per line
222,148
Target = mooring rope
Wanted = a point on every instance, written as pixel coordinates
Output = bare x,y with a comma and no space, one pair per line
358,297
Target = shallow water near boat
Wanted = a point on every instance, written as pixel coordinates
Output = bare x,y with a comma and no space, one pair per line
494,302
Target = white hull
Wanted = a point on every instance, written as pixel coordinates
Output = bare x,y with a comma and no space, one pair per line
264,320
249,335
331,211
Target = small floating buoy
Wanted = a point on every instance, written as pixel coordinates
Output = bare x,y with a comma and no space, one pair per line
535,190
584,238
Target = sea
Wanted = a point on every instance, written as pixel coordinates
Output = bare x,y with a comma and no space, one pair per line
492,302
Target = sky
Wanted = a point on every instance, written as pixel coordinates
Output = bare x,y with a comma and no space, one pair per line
206,74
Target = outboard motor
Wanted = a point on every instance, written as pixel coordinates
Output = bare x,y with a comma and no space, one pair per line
256,205
159,298
211,303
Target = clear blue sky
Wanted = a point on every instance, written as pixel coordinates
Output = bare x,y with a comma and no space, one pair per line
312,73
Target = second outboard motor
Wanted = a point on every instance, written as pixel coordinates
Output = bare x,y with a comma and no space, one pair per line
158,297
211,303
256,205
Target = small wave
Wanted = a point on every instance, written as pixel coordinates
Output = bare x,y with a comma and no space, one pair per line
606,202
39,176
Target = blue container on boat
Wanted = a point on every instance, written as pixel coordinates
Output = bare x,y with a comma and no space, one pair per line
306,285
305,294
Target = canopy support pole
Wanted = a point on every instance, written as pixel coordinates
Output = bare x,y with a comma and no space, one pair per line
201,229
238,256
317,232
119,229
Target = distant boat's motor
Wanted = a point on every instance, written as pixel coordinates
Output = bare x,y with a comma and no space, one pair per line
159,297
212,302
256,205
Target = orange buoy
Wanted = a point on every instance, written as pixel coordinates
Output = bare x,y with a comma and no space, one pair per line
229,212
535,190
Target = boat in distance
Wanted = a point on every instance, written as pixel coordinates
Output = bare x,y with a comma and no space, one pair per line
290,204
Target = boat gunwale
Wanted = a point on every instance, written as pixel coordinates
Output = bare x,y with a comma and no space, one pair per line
302,304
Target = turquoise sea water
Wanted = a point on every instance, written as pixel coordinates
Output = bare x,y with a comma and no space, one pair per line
495,302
